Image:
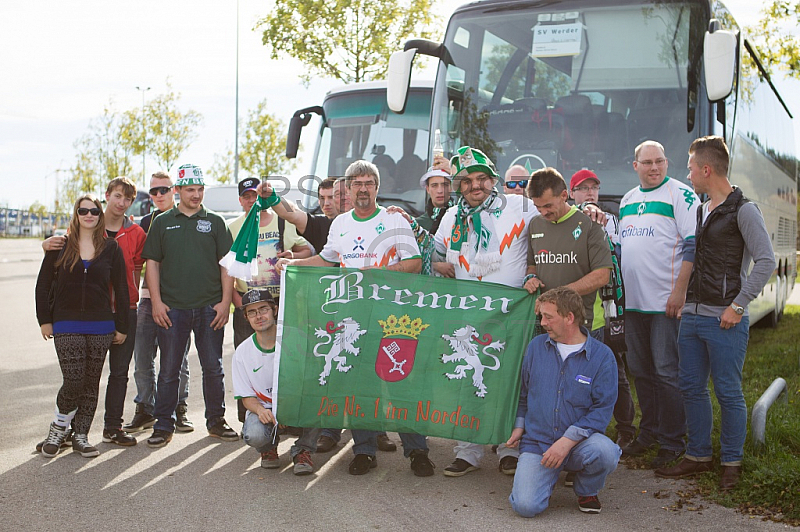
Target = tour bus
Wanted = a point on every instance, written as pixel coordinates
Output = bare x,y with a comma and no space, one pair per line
357,124
579,83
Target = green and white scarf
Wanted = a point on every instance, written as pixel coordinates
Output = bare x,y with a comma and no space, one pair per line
483,257
240,260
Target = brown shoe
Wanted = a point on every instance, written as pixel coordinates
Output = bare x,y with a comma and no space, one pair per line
684,468
729,477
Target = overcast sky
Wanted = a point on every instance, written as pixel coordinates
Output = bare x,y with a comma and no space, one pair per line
63,61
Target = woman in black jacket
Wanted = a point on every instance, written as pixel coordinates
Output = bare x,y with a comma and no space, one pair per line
81,320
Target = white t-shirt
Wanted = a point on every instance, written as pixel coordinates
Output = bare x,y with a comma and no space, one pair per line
253,372
566,350
512,230
382,239
654,223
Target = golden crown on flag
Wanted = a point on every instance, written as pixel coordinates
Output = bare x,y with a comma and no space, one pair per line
404,326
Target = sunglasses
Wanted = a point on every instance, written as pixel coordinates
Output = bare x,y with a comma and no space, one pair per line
94,211
513,184
155,191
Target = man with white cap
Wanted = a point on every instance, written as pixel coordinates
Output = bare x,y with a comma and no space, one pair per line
484,238
438,184
190,292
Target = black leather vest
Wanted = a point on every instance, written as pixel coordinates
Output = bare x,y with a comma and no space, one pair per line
716,276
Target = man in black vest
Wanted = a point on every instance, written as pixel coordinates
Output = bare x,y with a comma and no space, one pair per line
731,235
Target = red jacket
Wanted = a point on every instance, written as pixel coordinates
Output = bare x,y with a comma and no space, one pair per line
131,240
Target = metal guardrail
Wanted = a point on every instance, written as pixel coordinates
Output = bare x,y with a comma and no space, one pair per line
758,419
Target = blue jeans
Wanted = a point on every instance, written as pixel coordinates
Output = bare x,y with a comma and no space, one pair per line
119,364
144,360
259,435
652,341
706,349
172,343
593,460
366,442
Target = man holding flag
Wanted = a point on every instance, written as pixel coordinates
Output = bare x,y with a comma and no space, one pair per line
364,238
484,237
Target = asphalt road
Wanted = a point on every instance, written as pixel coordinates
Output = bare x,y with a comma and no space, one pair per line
200,483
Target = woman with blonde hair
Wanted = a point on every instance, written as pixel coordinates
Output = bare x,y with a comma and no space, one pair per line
75,306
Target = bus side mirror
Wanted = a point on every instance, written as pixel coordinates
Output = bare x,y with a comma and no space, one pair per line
398,79
300,119
719,61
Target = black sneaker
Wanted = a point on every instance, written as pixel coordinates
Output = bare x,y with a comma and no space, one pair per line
361,464
664,457
141,420
590,504
421,465
569,480
459,468
119,437
64,444
222,430
159,438
54,441
508,465
636,448
80,444
182,423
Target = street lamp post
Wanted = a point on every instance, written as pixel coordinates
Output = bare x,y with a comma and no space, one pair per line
236,133
144,135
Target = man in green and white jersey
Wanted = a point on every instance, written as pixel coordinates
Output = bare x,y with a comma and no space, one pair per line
253,381
657,225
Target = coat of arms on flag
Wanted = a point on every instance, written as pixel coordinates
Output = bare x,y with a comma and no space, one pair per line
396,354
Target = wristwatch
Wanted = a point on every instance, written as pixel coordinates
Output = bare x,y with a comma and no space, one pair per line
738,309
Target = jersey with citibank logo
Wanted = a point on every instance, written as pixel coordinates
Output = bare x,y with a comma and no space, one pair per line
567,250
510,224
253,372
653,225
381,239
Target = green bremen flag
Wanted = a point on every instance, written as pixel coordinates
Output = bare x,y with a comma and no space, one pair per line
381,350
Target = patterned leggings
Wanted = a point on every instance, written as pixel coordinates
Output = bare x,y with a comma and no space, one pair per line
81,357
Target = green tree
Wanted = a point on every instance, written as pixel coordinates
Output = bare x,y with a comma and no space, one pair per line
167,132
349,40
222,169
261,152
103,153
777,46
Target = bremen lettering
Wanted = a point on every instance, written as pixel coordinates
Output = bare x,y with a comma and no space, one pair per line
344,289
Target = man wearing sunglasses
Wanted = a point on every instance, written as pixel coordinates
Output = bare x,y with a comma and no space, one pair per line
162,195
516,180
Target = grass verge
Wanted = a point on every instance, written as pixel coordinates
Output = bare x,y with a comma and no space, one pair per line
770,484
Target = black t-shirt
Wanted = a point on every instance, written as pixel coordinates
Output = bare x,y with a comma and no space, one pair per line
316,231
111,234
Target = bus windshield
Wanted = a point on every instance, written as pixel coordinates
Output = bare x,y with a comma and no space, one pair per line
359,125
572,85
